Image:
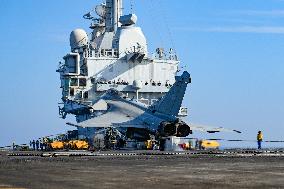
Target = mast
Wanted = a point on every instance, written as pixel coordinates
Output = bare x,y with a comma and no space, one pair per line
113,13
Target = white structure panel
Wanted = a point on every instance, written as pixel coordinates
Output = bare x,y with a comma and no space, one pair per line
129,88
119,70
130,37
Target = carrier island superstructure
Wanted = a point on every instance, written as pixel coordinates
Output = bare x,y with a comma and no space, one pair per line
113,56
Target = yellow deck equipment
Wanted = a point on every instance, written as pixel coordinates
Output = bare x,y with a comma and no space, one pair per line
210,144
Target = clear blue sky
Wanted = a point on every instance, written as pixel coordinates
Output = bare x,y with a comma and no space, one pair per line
232,48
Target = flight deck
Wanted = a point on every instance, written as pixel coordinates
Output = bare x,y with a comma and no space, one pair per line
143,169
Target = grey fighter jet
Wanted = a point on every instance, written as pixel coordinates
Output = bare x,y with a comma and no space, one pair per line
139,121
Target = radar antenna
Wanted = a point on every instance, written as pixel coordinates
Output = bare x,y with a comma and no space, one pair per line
132,6
88,16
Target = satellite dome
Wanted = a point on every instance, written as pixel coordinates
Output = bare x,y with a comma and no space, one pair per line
78,38
101,10
137,84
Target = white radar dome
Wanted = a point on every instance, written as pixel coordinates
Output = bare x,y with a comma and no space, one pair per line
137,84
101,10
78,38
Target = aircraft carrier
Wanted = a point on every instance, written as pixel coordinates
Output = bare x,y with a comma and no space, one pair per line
113,55
117,89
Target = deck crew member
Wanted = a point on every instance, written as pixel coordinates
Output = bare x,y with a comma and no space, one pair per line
33,143
259,139
37,144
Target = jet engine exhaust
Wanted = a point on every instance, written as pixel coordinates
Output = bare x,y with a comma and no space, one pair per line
179,129
183,130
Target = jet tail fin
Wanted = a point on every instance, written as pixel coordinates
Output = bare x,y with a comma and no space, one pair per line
170,104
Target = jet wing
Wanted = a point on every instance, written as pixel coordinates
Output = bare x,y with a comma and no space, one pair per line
120,113
202,128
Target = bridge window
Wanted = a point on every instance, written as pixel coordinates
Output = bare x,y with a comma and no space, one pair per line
71,63
72,91
86,94
80,95
82,82
73,82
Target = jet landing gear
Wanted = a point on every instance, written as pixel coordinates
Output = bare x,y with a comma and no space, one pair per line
113,139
